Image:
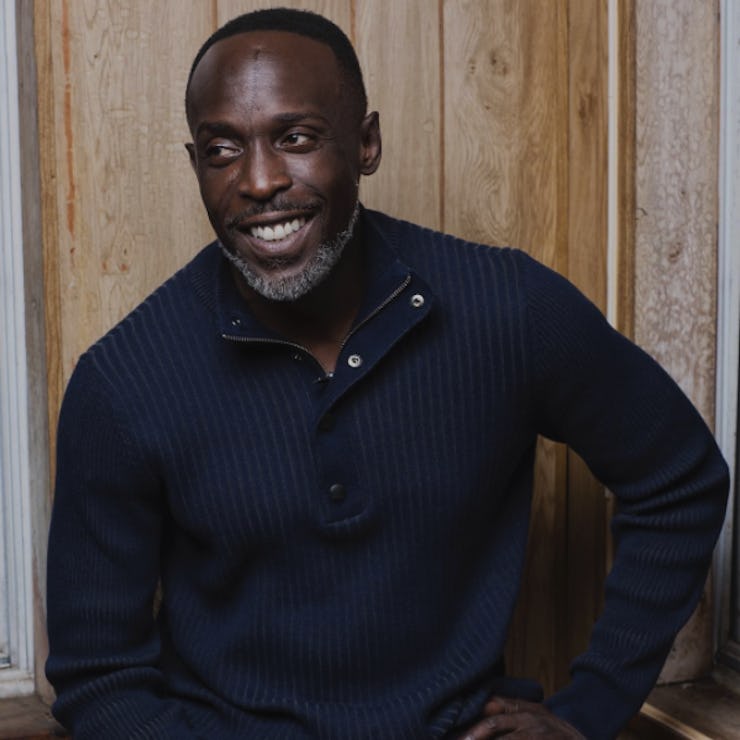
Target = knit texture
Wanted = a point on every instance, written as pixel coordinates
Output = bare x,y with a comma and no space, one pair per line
340,556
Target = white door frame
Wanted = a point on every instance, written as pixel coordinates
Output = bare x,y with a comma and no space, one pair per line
728,304
16,672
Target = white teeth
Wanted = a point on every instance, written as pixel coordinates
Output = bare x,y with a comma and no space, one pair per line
277,231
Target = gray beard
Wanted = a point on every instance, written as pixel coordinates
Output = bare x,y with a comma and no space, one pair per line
293,287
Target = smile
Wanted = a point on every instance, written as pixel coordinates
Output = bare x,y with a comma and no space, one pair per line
277,231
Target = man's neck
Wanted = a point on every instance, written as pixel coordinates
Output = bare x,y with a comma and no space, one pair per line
321,320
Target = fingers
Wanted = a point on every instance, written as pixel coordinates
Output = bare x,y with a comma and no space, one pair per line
501,717
499,705
486,728
518,718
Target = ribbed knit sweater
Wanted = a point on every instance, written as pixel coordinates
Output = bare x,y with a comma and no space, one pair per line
340,555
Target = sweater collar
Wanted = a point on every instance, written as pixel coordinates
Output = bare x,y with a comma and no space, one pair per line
388,277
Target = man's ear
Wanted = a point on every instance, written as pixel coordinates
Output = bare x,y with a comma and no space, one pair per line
191,151
371,147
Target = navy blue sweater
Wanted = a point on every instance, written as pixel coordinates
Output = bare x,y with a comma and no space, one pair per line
340,556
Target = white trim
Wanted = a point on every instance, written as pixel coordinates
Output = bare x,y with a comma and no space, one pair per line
15,516
728,307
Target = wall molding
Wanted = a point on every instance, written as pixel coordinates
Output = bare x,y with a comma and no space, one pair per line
16,575
728,302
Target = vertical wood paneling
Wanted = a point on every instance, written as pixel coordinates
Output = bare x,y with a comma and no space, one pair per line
676,191
587,258
505,128
38,428
338,11
537,645
47,156
506,181
626,120
676,226
408,183
587,147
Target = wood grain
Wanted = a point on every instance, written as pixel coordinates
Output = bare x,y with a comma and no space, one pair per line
676,191
49,213
506,91
505,128
27,718
33,266
127,206
675,230
402,75
340,12
587,266
626,209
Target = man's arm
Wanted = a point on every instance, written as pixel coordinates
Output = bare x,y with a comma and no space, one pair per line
103,568
644,440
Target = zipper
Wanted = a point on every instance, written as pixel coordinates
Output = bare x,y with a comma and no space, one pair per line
377,310
282,342
294,345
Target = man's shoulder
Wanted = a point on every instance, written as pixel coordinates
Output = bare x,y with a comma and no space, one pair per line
432,252
186,297
412,240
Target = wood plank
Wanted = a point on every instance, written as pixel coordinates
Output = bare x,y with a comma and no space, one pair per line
626,210
587,266
535,647
340,12
47,154
27,718
505,106
676,233
33,267
506,181
676,190
699,710
402,76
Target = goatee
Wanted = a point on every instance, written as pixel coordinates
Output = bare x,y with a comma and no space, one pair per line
293,287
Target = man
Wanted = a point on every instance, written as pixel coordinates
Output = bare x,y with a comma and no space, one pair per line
318,437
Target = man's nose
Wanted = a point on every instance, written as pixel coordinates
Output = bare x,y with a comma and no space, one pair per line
264,172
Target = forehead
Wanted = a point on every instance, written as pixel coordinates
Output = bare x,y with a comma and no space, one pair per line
263,69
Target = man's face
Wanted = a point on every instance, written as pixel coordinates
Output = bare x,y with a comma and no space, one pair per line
278,149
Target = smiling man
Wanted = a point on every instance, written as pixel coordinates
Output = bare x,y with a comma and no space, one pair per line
280,140
318,438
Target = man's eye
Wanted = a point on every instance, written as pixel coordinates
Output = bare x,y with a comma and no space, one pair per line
220,153
297,141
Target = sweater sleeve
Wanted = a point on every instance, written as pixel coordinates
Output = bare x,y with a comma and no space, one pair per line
103,570
645,441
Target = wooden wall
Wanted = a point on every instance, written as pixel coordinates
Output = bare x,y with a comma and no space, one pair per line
494,118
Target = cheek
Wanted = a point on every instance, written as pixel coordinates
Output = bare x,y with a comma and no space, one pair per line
216,188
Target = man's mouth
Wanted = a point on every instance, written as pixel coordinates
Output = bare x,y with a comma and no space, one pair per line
277,231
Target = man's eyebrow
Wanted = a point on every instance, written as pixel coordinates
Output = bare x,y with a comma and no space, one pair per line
219,128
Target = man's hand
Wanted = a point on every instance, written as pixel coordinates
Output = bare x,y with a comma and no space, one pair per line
520,719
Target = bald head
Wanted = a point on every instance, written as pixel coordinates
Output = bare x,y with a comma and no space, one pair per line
303,23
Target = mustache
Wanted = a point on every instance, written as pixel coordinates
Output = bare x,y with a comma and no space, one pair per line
273,206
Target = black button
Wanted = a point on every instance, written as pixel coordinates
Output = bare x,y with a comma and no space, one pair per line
337,492
327,422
